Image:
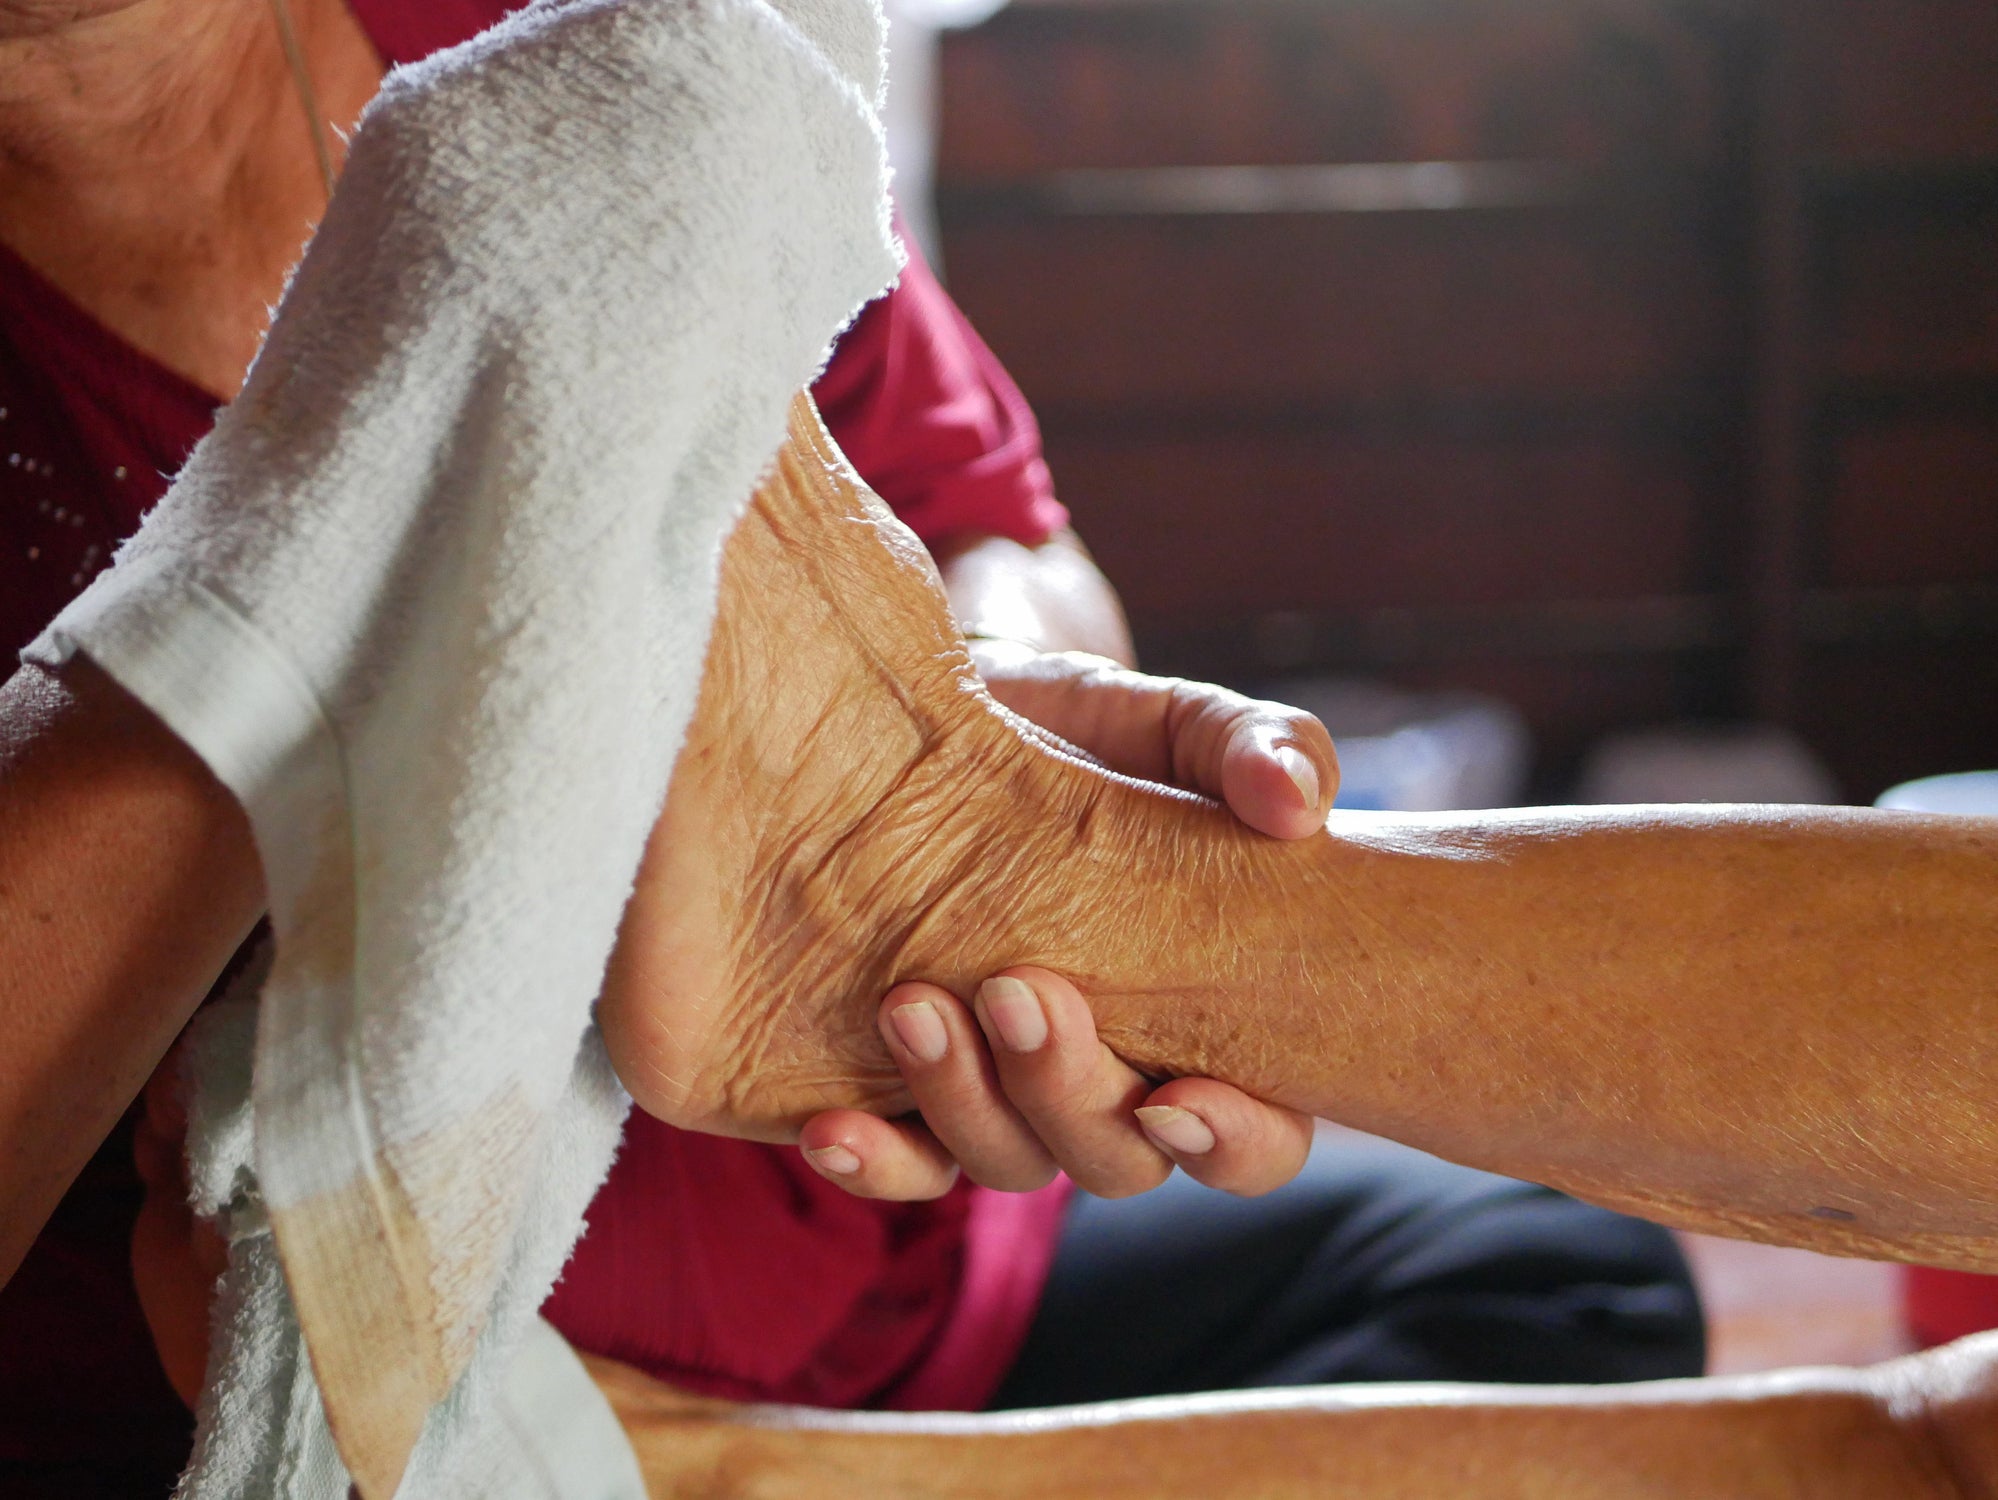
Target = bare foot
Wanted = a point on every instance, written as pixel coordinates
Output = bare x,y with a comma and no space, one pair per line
852,809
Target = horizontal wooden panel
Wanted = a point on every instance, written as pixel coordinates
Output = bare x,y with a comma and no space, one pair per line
1092,313
1234,192
1248,81
1914,502
1231,526
1908,79
1913,290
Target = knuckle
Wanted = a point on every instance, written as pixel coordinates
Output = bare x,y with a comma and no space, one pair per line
1046,1087
958,1094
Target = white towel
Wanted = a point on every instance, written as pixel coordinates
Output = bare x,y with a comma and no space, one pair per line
432,601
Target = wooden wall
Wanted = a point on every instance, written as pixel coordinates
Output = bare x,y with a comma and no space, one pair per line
1634,359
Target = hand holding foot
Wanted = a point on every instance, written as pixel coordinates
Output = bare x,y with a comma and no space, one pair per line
852,807
1022,1086
1630,1004
1010,1116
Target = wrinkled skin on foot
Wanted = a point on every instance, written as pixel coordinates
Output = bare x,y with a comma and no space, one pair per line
852,809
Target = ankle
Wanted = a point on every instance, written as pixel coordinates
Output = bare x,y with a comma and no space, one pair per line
1232,968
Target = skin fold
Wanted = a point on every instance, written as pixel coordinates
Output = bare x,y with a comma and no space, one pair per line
156,166
1761,1021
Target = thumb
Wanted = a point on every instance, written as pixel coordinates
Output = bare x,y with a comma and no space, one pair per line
1278,770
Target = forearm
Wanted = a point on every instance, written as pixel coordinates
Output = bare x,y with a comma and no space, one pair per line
1772,1022
127,877
1826,1435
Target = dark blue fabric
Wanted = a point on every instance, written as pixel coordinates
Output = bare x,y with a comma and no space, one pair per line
1378,1263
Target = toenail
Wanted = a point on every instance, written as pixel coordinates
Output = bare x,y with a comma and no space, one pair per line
1013,1011
1302,773
921,1030
1180,1132
834,1159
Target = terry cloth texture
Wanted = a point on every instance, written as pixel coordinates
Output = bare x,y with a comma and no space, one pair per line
432,600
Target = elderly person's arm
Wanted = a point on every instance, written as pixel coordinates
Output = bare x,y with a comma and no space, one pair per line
127,878
1915,1429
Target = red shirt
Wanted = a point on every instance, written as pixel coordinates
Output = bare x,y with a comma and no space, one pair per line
722,1266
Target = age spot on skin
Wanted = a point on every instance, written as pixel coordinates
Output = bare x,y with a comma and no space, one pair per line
1836,1215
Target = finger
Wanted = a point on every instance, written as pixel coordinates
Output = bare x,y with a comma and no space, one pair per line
1077,1096
1276,770
1220,1136
1274,766
898,1161
1115,714
944,1061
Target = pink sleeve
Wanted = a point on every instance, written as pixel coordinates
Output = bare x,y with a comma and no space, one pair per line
406,33
934,423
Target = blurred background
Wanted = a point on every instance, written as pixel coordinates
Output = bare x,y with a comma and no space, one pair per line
1571,400
1630,363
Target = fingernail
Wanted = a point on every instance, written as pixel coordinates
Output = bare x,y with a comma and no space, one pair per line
834,1159
1180,1131
1302,773
1013,1011
921,1030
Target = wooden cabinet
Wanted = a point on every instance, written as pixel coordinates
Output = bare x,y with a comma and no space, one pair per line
1633,357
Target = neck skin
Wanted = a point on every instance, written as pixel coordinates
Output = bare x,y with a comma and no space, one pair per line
156,163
